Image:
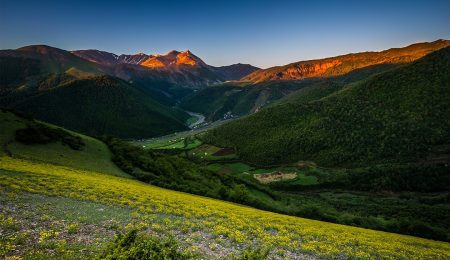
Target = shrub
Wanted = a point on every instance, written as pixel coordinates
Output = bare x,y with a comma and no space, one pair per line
133,245
40,134
239,194
256,254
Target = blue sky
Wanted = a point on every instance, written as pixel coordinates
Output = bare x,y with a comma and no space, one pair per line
263,33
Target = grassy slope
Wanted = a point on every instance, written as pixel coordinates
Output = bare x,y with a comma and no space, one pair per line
103,105
95,155
420,213
394,116
43,227
223,224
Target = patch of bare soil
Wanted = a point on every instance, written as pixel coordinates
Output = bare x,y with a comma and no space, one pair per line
275,176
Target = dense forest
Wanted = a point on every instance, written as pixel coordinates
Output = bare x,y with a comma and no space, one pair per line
97,105
239,99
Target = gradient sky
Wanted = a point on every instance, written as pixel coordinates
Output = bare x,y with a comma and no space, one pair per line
262,33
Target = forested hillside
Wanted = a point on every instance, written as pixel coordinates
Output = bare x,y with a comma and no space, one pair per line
242,98
316,78
398,116
100,105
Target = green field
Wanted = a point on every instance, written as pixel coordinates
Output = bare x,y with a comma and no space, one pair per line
233,168
170,144
188,142
94,156
192,143
206,152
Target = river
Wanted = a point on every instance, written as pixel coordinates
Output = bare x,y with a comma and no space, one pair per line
200,119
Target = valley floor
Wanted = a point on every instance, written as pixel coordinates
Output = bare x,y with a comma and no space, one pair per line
56,211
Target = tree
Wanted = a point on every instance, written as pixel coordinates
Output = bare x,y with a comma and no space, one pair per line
239,193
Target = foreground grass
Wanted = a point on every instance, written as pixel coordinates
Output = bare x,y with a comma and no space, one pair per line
218,225
35,226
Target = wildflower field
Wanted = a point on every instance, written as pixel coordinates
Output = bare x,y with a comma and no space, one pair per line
210,227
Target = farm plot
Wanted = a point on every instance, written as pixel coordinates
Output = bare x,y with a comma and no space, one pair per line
208,152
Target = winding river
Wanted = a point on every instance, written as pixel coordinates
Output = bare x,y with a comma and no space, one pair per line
200,119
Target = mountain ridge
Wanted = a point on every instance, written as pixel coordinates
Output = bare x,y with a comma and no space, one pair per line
54,60
173,62
339,65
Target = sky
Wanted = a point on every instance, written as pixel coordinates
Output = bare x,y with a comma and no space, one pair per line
262,33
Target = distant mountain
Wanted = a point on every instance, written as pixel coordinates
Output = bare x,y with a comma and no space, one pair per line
402,115
182,68
133,58
62,88
108,58
340,65
173,59
175,67
235,71
54,60
100,57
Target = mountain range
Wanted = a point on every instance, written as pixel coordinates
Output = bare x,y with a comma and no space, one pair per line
64,88
35,78
178,67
